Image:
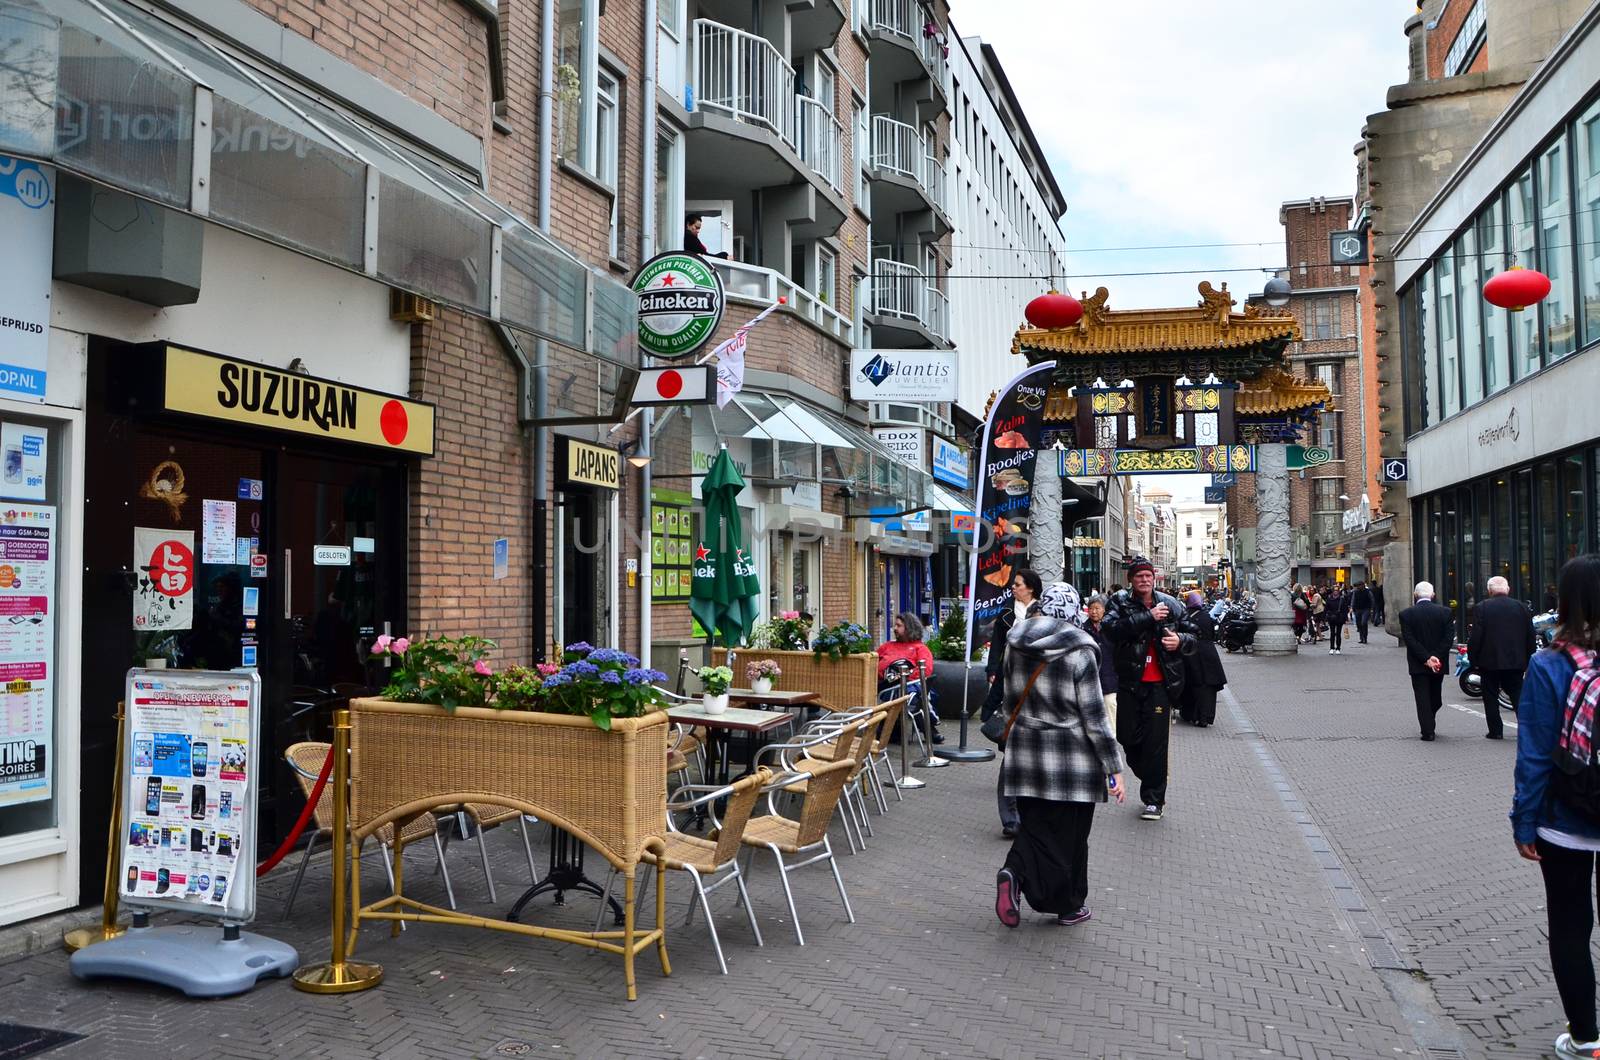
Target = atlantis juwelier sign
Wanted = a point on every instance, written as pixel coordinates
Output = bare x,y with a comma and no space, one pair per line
220,388
902,375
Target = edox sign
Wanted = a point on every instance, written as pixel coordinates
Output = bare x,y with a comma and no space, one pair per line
680,304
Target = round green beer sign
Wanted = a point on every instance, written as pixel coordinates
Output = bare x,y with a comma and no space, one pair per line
680,304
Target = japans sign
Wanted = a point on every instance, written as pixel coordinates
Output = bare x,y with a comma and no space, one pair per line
903,442
582,464
27,217
219,388
950,463
680,304
903,375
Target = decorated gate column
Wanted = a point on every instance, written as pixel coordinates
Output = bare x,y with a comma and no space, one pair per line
1274,612
1046,542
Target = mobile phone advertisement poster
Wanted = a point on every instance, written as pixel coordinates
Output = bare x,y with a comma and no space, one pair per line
189,794
28,542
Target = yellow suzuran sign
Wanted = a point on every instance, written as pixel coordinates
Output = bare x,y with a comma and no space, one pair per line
219,388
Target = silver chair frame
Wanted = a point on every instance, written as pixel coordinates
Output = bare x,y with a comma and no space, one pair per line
824,852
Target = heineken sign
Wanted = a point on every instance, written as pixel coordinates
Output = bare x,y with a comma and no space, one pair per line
680,304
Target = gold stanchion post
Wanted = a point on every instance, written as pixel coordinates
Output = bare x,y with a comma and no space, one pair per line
78,938
339,976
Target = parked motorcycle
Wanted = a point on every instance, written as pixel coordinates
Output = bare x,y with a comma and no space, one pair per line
1237,630
1471,682
1544,628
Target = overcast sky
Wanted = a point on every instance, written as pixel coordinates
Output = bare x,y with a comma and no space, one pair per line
1172,123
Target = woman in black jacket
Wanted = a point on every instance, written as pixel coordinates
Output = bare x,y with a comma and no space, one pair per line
1203,673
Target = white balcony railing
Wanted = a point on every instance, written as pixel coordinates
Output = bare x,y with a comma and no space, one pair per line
752,283
821,140
743,76
903,291
899,148
909,19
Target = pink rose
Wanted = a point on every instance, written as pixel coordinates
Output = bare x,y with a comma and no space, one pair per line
381,645
482,668
400,645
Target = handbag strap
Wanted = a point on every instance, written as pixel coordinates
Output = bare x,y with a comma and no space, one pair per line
1021,700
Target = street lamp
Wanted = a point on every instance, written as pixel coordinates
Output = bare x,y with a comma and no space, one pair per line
1276,292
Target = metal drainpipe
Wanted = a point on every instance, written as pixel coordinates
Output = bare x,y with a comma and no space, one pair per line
647,249
540,450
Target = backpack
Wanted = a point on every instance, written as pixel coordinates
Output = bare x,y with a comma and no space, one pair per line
1576,776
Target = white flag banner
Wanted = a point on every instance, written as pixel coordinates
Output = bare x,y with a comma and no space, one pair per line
730,359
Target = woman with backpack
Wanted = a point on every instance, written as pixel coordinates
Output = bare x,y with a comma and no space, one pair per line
1555,813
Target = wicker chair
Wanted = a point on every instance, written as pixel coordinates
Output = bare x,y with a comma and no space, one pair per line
835,738
879,752
708,859
306,759
807,834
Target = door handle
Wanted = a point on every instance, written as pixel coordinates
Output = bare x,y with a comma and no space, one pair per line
288,584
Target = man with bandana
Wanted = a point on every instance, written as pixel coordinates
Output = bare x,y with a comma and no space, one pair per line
1148,637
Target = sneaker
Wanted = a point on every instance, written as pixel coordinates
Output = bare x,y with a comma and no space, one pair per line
1333,651
1152,812
938,736
1005,898
1575,1050
1068,919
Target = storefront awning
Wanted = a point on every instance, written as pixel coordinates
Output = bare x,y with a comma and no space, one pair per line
945,501
781,441
118,96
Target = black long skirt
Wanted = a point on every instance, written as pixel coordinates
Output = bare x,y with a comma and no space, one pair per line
1050,855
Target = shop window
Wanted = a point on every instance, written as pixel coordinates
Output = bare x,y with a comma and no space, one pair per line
1575,508
1549,513
1485,536
1449,340
1503,566
1521,228
1490,235
1522,499
1588,199
1448,583
1555,251
1471,585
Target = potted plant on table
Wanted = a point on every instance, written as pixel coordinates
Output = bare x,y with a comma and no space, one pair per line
715,680
761,674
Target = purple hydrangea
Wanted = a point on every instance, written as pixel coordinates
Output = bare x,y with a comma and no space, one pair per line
557,680
609,655
581,668
611,677
629,660
582,648
637,676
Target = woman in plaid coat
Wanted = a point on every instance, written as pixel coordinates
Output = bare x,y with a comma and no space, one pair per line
1060,760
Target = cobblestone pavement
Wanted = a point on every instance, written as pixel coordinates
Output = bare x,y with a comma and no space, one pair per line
1307,831
1421,826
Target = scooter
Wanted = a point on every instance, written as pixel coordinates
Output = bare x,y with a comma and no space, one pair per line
1237,630
1544,628
1471,682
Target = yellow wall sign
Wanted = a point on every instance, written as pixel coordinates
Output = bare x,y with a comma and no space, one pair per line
240,392
590,465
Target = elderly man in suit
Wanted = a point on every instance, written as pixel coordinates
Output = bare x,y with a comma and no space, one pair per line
1426,629
1500,645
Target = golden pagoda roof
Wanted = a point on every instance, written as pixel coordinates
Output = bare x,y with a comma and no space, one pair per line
1209,325
1059,405
1277,391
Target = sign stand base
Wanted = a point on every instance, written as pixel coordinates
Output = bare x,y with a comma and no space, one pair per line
192,958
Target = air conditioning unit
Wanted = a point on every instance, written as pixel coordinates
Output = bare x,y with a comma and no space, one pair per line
411,308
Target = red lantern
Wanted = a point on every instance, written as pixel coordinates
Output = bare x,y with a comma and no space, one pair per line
1053,311
1516,288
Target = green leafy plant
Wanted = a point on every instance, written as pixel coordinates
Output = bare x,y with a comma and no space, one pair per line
844,638
787,632
715,679
447,672
950,642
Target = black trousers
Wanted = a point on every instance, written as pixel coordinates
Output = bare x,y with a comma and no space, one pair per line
1569,884
1050,855
1494,681
1362,620
1144,725
1429,692
1335,635
1199,704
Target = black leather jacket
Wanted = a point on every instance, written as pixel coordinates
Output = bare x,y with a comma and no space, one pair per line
1130,629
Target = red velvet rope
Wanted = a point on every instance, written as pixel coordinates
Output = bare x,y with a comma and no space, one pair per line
300,825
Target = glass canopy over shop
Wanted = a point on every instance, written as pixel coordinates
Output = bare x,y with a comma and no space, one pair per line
111,93
783,442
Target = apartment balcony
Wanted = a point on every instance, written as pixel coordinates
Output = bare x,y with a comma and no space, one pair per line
908,177
903,50
755,285
908,310
814,24
749,129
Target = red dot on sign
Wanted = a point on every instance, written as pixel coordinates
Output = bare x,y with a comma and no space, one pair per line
669,384
392,421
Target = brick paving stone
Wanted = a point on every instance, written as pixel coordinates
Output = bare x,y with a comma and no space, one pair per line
1214,935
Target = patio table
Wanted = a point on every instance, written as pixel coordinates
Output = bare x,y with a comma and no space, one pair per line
754,724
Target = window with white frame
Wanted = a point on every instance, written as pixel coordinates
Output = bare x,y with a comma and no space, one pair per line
827,276
577,70
1328,374
607,119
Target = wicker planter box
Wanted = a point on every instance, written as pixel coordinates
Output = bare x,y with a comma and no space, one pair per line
607,788
841,684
